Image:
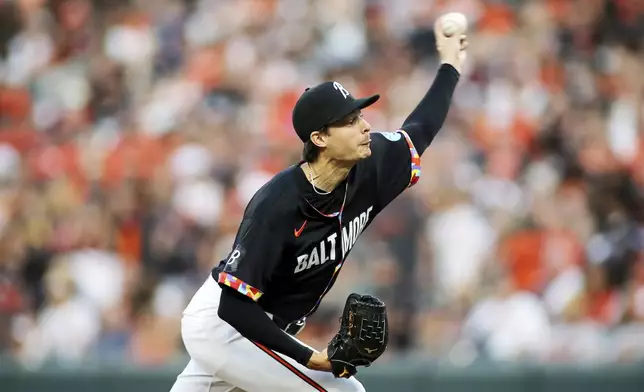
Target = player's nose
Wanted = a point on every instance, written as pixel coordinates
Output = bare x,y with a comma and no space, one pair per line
366,127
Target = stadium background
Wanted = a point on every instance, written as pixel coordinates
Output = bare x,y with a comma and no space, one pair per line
133,133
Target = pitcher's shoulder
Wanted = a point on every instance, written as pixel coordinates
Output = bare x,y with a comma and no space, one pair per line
277,197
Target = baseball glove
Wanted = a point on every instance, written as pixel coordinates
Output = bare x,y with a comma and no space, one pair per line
362,337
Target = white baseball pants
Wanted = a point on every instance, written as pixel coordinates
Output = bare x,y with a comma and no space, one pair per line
221,360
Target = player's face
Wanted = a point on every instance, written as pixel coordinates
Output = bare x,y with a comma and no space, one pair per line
349,139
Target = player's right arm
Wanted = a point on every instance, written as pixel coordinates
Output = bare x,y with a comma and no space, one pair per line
424,122
244,277
396,156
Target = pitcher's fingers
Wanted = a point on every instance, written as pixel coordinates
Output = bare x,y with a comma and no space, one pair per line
438,31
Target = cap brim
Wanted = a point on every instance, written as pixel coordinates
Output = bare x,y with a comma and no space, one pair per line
362,103
358,104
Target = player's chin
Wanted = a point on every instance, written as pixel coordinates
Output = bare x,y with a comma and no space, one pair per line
364,150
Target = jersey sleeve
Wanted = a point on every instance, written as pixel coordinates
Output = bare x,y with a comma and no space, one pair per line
254,256
396,162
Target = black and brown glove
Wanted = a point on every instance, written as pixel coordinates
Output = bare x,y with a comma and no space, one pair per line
362,337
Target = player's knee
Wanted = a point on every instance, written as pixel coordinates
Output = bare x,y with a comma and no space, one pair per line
353,385
358,386
344,385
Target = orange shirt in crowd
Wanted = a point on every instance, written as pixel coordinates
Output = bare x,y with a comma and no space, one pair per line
136,156
533,256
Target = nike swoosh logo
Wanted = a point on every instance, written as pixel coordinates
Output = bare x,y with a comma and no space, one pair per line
370,350
299,232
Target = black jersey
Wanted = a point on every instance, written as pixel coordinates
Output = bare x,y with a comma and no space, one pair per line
292,241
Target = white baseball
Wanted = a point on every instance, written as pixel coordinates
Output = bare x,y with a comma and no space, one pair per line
453,23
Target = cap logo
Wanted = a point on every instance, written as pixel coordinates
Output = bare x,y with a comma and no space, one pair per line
341,89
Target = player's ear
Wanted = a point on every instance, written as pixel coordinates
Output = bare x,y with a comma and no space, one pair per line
319,138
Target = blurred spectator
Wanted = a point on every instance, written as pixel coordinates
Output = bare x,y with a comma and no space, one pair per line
65,328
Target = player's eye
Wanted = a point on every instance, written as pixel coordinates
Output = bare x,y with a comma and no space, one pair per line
355,119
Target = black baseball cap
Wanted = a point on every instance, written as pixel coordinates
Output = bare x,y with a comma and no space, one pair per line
325,104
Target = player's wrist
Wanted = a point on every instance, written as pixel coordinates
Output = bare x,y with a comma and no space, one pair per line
319,361
304,357
455,63
448,68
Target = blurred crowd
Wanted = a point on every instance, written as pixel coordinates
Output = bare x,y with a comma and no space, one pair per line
134,132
